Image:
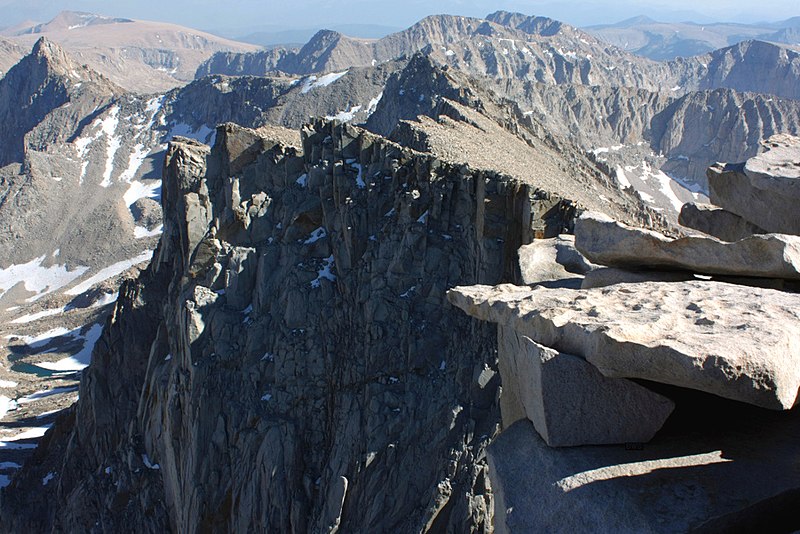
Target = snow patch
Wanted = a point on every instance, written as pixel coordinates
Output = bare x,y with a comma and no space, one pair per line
373,104
38,279
312,82
148,463
204,134
326,272
360,176
140,232
31,317
647,197
106,299
33,433
5,405
135,161
316,235
110,271
624,183
44,338
408,292
605,150
81,360
345,116
33,397
138,190
109,128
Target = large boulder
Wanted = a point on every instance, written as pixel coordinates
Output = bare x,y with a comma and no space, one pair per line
715,221
553,259
778,169
738,342
743,478
569,401
602,240
730,188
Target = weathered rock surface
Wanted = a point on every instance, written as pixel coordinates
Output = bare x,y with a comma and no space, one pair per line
734,341
609,276
569,401
556,258
778,169
607,242
739,477
717,222
730,188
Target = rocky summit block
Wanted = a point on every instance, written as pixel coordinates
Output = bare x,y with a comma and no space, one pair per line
737,342
778,169
569,401
608,242
730,188
717,222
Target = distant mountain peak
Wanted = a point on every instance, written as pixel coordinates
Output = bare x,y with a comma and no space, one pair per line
70,20
527,23
634,21
49,53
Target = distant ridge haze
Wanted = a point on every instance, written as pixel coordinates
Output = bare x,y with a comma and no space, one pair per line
300,14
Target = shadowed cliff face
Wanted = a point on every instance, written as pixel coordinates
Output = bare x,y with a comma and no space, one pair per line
287,362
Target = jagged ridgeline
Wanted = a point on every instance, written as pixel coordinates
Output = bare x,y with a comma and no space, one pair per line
287,362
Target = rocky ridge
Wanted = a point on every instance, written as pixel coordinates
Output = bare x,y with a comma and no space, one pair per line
443,113
537,49
292,247
735,341
656,131
94,156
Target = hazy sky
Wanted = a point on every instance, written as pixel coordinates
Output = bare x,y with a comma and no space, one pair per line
249,14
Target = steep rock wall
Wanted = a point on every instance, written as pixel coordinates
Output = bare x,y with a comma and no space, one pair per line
287,362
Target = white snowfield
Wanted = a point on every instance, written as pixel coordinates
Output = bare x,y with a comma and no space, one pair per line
312,82
109,272
37,278
81,360
31,317
137,190
44,338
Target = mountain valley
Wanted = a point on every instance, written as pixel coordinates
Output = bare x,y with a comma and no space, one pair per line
224,271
